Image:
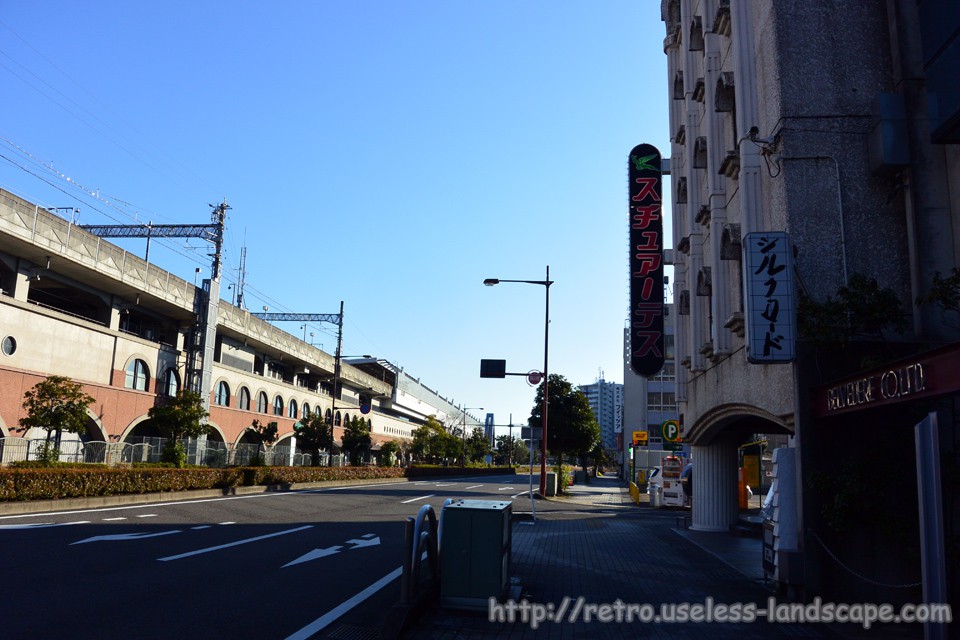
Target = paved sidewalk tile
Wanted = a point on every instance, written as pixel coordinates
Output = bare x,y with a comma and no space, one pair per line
596,547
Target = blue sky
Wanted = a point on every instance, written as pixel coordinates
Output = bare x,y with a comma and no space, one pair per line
388,154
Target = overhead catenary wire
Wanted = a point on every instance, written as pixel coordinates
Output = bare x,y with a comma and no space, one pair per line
116,209
186,172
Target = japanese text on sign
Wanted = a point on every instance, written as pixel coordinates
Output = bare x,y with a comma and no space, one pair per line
646,260
771,317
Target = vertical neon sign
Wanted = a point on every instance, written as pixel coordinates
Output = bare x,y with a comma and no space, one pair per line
646,260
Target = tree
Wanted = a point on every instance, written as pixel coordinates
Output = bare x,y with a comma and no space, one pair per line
388,452
181,417
571,425
313,434
356,439
55,404
511,450
478,447
600,458
433,443
267,435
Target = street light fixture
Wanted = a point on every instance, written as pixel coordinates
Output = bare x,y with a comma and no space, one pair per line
464,433
546,350
337,359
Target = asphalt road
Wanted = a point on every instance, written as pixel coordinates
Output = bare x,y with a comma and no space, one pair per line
288,565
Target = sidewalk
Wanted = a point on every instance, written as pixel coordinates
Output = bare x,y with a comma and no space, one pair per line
596,544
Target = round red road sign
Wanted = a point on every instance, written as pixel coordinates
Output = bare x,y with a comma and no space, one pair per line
534,378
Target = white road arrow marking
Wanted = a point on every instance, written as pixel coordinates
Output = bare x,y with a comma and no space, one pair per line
313,555
39,525
369,540
126,536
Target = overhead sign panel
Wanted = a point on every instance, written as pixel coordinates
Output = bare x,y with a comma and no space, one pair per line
646,260
493,368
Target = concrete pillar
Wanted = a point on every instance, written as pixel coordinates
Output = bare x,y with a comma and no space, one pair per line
715,505
21,283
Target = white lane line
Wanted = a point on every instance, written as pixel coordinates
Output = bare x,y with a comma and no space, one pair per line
228,522
233,544
476,486
199,527
505,489
420,498
520,494
39,525
330,616
113,519
147,515
189,501
125,536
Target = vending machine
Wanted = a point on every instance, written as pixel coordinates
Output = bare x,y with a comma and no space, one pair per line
671,470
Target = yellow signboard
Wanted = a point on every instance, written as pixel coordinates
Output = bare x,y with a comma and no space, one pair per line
640,438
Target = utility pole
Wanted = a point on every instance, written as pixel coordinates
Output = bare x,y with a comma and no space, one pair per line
201,339
333,318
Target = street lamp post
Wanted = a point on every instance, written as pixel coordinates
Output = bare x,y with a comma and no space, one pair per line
336,381
464,433
546,350
337,359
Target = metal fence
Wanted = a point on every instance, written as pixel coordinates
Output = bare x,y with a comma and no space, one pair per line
200,452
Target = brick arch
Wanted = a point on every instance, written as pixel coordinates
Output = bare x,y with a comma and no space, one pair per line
151,374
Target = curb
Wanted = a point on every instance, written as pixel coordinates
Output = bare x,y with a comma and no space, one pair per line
97,502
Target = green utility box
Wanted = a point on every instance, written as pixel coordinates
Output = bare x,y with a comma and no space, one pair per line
475,550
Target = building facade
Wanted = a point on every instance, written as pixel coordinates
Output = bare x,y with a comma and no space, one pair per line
74,305
606,402
832,131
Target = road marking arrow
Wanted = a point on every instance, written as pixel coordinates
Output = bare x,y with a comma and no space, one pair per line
313,555
369,540
127,536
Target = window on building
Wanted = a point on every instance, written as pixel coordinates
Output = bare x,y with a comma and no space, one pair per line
292,409
222,397
244,399
262,402
305,412
669,346
171,382
338,420
138,375
327,418
278,406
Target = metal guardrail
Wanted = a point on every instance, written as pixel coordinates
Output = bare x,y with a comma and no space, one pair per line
210,454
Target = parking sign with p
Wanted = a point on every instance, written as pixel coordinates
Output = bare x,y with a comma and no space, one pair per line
671,431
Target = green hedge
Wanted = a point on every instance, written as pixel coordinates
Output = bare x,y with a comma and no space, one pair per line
37,483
